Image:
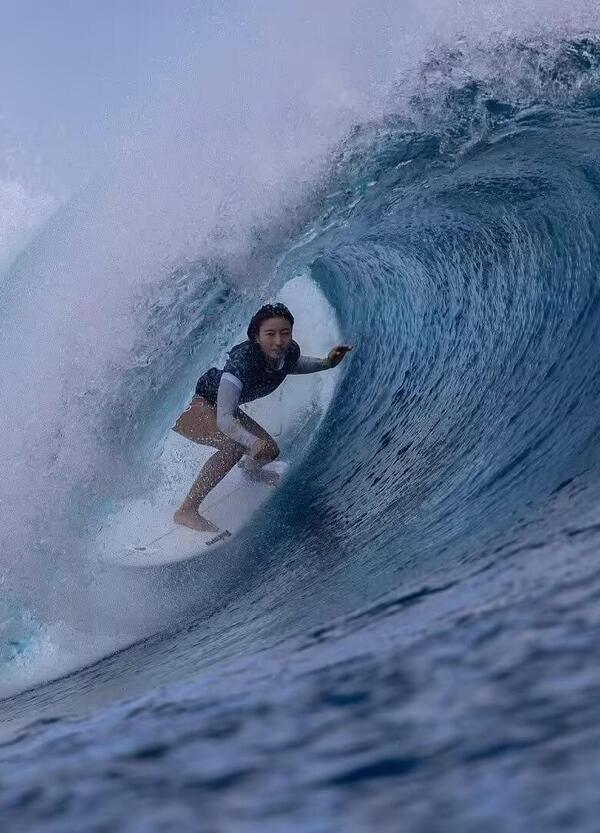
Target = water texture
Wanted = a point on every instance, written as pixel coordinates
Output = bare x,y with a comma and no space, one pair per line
406,637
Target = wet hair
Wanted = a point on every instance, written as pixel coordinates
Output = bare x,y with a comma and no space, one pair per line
266,312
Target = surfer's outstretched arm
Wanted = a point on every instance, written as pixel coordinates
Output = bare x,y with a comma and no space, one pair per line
310,364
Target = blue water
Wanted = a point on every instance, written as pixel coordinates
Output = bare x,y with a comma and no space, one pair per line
407,638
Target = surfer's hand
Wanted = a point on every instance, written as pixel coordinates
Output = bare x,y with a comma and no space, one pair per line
264,451
336,354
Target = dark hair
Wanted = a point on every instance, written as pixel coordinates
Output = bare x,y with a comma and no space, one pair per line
266,312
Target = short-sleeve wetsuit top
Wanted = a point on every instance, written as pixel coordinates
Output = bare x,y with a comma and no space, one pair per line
247,363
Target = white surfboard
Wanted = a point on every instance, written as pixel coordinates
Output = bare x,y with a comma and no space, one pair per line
142,533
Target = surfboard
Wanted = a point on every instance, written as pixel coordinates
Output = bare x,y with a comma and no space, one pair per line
141,533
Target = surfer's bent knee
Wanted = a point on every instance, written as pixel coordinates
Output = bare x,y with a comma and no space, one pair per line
272,450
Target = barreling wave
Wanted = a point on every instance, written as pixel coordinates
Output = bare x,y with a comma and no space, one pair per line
456,238
463,261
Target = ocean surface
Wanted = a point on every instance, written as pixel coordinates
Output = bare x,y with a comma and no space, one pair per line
406,637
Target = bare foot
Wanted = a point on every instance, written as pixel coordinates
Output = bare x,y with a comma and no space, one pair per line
191,519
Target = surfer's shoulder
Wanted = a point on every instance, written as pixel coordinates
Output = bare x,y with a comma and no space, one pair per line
242,360
293,354
244,350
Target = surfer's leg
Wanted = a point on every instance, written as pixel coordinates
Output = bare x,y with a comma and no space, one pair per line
199,424
271,451
211,473
254,466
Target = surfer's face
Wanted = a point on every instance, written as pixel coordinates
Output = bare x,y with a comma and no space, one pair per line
274,337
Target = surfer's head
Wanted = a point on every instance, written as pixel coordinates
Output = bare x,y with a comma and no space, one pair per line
271,327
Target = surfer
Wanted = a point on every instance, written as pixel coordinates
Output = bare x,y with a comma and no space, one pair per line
255,368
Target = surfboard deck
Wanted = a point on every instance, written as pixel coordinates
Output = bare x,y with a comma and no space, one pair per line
141,533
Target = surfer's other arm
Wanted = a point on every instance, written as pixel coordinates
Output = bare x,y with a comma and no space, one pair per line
259,449
228,398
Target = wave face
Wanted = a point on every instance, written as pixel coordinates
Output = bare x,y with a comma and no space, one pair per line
473,394
424,587
464,264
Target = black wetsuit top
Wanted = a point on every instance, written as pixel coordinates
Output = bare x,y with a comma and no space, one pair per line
248,363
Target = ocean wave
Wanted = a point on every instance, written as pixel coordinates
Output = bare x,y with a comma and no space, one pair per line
456,239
